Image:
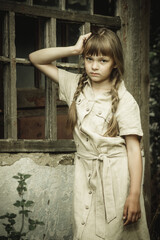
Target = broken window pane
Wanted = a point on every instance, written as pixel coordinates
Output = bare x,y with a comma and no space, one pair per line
67,35
78,5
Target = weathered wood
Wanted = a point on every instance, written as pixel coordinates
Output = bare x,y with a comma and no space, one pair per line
67,65
24,61
145,86
86,28
58,146
112,22
91,10
10,103
4,59
134,35
62,4
30,2
51,111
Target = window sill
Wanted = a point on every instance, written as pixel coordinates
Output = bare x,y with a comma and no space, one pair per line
45,146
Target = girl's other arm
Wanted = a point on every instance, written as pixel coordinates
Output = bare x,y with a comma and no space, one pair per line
132,211
42,59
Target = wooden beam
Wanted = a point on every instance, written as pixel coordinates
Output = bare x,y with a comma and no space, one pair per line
10,93
40,11
51,110
62,4
45,146
145,86
26,62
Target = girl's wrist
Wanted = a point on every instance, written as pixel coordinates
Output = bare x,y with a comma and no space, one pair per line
76,50
135,193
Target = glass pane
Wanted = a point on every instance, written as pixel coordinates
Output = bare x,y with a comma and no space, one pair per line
29,35
31,113
52,3
25,76
62,131
31,126
105,7
67,35
78,5
29,77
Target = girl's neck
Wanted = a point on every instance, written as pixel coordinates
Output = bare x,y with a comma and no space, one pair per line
99,88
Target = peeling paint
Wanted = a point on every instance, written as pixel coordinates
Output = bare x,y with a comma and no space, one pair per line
41,159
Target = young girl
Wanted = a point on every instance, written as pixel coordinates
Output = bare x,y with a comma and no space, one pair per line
105,119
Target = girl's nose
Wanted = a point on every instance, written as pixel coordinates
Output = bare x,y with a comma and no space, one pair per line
94,65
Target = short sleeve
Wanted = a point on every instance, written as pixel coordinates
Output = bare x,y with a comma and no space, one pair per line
128,116
67,85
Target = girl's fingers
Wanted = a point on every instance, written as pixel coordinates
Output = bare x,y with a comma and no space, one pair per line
132,218
85,37
125,212
125,215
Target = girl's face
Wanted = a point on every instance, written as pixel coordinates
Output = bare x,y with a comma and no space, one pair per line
99,68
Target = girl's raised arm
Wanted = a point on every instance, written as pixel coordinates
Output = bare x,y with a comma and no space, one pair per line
42,59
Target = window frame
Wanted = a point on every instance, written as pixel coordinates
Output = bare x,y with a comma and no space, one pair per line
10,143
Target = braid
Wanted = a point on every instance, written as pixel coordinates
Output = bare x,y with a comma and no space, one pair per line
72,113
113,128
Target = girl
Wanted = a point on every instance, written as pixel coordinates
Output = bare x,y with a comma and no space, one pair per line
105,119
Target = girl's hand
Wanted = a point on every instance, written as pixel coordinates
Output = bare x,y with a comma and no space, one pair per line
79,46
132,211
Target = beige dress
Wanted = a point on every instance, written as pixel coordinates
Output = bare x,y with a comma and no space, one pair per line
101,165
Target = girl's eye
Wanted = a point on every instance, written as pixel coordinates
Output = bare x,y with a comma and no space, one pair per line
104,60
88,59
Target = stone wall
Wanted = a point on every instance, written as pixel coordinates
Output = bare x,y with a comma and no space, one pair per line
50,187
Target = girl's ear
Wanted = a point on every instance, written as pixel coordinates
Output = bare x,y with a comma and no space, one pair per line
115,66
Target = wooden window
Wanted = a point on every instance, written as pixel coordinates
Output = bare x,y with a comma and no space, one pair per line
32,118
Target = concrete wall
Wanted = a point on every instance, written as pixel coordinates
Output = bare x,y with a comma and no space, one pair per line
50,187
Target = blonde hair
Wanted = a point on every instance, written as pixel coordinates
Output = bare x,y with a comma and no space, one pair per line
106,43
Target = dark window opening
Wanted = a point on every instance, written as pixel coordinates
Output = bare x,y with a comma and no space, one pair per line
51,3
105,7
67,35
77,5
29,37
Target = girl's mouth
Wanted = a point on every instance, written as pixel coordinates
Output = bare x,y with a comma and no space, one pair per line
94,74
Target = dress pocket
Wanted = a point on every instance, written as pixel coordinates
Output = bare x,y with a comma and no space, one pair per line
100,119
83,106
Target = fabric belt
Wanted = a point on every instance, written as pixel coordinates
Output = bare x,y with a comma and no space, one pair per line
105,202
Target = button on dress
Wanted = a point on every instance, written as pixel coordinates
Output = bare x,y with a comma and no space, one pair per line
102,180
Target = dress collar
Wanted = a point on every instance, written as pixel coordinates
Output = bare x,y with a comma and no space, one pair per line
121,90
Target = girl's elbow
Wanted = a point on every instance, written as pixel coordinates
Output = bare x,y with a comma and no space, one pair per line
30,56
32,59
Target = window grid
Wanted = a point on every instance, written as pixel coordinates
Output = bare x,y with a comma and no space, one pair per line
50,144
